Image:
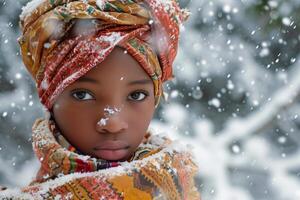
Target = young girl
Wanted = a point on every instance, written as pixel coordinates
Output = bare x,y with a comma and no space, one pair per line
99,68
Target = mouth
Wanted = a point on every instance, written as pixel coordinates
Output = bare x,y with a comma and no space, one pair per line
112,150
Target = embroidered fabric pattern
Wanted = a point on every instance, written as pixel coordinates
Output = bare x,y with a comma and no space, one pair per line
63,39
155,171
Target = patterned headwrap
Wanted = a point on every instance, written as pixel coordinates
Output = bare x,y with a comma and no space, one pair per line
63,39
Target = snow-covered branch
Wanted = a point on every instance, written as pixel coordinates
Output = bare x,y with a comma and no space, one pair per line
256,121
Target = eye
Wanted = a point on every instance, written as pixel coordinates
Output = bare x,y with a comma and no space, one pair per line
138,96
82,95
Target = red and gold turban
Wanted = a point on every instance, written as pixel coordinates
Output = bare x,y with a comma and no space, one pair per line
63,39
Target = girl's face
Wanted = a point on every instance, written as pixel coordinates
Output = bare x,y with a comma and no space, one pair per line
106,113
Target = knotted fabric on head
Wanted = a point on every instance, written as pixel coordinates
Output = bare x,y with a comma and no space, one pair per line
63,39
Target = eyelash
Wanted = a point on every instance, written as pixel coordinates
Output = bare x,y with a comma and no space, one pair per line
74,93
141,92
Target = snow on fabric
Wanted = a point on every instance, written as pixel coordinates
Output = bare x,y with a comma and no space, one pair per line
153,46
30,7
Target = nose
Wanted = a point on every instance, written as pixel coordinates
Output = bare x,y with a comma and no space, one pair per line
112,124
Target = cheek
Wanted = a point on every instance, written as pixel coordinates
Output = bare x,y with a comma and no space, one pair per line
63,112
74,123
140,117
69,118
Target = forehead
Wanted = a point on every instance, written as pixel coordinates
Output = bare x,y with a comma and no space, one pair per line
118,65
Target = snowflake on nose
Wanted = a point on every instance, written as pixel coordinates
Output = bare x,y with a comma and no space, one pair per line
111,111
108,111
102,121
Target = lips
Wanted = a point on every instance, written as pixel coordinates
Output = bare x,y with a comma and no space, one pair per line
112,150
112,145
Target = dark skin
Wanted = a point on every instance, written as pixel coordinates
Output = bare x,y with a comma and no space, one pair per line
106,113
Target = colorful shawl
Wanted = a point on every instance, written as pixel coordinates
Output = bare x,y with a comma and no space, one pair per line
58,156
156,171
63,39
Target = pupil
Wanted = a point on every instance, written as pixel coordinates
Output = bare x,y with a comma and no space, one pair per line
80,95
135,95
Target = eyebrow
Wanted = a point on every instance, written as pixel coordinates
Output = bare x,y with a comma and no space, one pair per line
140,82
87,79
136,82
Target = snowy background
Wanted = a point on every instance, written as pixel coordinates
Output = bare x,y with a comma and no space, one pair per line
236,98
